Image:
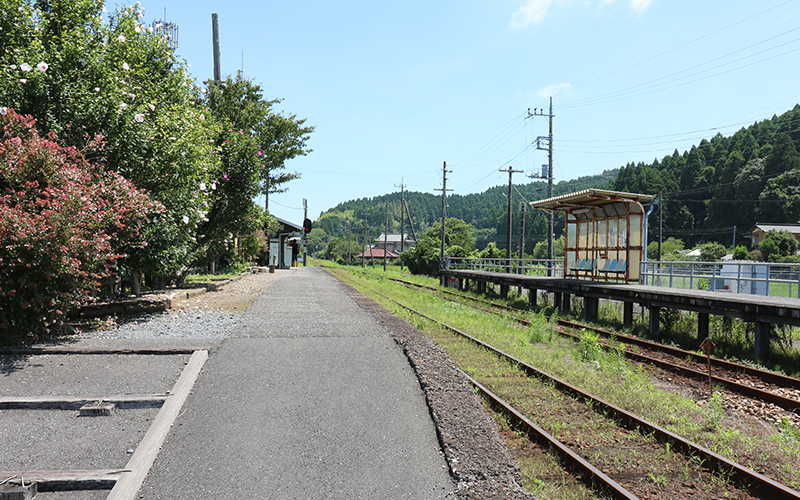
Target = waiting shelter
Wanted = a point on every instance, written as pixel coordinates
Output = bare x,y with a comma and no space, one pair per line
285,248
604,233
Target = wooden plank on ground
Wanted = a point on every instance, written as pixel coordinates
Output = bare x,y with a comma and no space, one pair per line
123,401
127,487
20,351
65,480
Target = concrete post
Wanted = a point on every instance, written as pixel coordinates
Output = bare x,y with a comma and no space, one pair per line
762,341
702,326
627,314
504,291
565,302
532,293
590,306
655,320
557,300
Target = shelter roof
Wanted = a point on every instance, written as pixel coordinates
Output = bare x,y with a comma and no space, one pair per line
378,253
289,224
589,198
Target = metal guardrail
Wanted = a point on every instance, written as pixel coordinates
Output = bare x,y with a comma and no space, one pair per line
529,267
756,278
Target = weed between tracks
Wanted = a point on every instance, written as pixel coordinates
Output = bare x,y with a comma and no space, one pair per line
773,452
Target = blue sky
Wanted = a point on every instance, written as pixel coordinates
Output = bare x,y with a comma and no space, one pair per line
395,88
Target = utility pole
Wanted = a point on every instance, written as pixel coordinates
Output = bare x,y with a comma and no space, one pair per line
364,252
660,222
444,213
511,172
522,207
549,148
410,222
349,243
402,229
215,42
305,236
386,236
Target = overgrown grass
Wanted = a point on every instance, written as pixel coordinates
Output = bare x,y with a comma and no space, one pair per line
605,374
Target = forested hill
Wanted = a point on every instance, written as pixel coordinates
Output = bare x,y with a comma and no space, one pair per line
753,175
487,212
748,177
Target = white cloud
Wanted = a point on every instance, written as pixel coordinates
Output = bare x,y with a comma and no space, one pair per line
640,5
553,90
531,12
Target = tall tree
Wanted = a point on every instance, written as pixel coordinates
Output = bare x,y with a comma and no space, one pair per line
279,137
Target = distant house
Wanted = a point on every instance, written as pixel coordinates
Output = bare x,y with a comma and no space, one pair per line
757,234
393,242
378,253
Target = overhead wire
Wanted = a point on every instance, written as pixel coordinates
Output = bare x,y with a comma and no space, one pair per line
690,42
651,85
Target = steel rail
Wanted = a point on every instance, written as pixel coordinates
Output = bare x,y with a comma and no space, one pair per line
742,476
594,476
787,403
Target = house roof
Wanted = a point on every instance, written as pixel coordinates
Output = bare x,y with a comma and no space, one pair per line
392,238
378,253
792,228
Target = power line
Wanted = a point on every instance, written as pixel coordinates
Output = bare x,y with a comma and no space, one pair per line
674,48
644,88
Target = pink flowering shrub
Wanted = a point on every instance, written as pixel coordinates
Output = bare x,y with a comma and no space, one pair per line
64,222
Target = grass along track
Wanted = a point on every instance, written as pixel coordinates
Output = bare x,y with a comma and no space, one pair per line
615,380
774,390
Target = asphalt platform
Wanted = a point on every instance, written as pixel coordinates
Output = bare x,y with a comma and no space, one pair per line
310,398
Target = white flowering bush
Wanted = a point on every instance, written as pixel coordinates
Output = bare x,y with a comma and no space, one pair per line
81,71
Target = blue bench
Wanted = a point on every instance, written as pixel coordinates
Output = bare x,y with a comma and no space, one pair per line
614,266
585,265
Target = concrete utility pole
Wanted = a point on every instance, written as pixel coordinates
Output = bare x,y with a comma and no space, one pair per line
305,236
349,242
215,41
386,236
410,222
539,141
511,172
522,208
660,223
444,213
402,229
364,252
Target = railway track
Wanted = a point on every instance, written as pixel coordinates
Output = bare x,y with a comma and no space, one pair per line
769,387
743,477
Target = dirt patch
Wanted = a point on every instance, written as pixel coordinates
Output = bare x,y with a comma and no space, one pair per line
236,295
